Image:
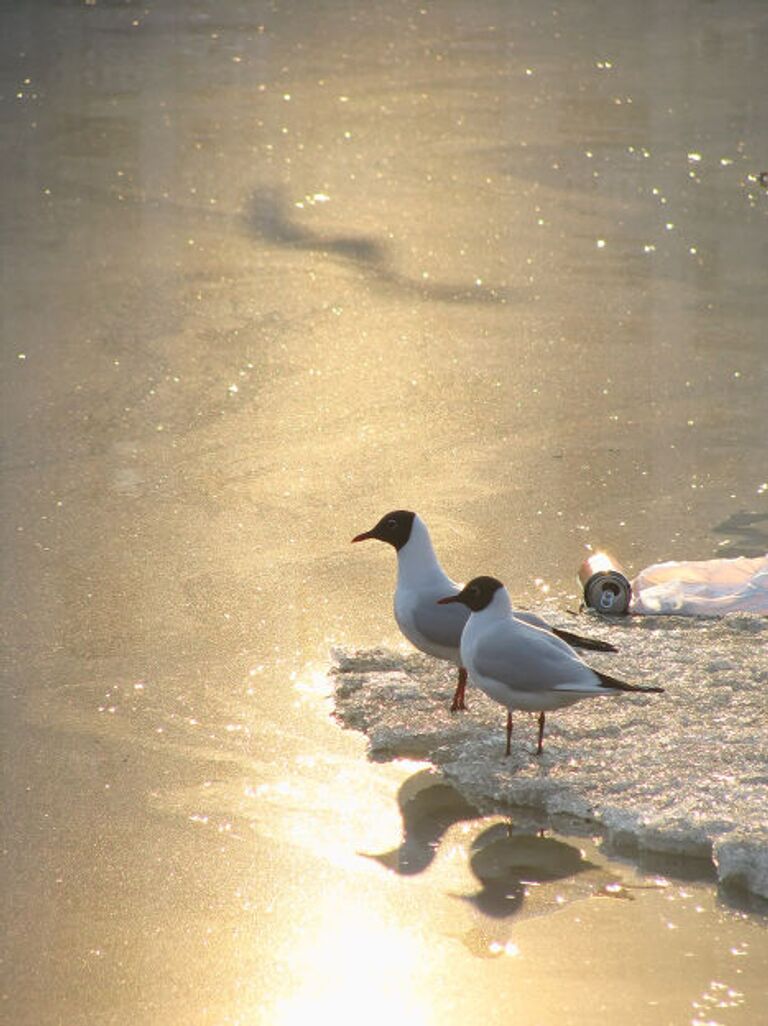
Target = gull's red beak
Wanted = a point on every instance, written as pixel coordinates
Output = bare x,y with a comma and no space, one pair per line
445,601
363,537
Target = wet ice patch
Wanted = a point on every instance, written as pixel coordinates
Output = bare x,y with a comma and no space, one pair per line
682,773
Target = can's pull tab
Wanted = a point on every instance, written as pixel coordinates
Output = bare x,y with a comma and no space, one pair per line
606,586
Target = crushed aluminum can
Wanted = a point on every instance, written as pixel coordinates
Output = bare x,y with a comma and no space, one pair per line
606,585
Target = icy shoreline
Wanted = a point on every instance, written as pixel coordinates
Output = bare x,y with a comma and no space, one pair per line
681,773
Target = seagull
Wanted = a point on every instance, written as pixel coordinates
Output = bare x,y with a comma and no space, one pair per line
519,665
421,582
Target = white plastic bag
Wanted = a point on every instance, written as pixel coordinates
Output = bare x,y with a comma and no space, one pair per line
711,587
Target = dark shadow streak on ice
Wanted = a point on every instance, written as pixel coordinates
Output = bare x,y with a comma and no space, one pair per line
267,217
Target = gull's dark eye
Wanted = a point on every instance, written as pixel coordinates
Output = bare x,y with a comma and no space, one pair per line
392,524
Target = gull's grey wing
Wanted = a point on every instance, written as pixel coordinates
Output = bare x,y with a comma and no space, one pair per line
441,625
533,619
574,640
528,659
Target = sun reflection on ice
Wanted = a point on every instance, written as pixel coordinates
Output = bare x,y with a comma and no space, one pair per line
313,682
355,966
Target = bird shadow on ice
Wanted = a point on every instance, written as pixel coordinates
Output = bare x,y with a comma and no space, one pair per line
428,809
508,861
509,865
268,217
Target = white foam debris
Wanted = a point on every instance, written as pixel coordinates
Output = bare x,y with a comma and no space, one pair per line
683,773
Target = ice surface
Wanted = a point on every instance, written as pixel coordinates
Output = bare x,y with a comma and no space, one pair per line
684,773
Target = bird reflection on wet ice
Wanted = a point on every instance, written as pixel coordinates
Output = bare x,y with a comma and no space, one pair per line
515,865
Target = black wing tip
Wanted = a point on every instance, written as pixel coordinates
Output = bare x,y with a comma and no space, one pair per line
590,644
600,646
621,685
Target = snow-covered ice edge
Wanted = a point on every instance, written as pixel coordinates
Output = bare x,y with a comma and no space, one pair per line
682,773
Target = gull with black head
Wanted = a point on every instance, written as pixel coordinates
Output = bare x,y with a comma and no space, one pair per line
521,666
421,581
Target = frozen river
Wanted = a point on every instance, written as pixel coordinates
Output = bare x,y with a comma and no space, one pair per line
270,270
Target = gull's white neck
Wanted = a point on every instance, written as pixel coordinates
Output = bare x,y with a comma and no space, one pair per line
417,563
499,608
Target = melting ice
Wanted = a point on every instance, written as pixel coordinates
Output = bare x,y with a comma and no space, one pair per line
685,772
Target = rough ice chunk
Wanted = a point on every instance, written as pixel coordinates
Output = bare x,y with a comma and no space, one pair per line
684,773
743,860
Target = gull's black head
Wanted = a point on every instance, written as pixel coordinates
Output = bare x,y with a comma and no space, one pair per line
394,528
476,595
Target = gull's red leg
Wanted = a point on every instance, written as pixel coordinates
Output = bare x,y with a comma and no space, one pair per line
458,704
509,732
540,746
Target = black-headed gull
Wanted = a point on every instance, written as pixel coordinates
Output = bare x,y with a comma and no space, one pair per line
421,581
519,665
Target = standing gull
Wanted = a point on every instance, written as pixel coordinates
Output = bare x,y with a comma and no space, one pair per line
522,666
421,582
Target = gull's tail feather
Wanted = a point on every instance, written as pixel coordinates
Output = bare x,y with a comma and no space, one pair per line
576,641
621,685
